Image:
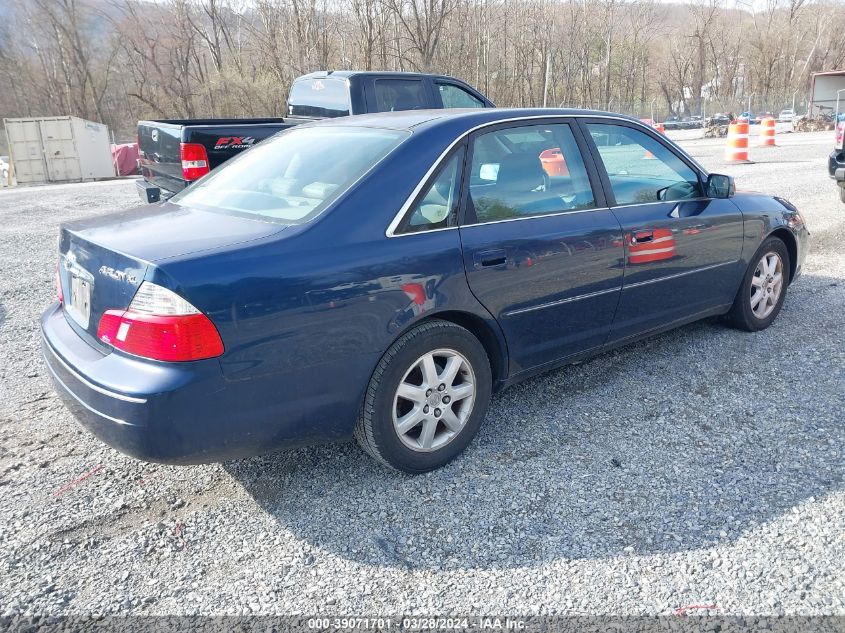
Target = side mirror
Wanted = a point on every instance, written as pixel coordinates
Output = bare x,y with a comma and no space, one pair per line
720,186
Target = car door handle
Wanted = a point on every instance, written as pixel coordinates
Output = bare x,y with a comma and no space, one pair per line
489,259
642,237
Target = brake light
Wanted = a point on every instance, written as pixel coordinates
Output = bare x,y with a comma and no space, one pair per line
840,135
194,160
161,325
60,296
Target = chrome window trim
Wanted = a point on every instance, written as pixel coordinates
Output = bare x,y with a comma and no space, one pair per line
643,204
397,219
537,216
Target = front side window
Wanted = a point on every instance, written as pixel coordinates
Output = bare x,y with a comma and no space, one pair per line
440,200
393,95
454,96
319,98
525,171
291,177
641,168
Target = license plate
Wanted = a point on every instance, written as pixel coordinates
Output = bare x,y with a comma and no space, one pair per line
79,305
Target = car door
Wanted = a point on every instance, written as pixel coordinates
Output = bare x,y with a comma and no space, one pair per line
541,250
682,249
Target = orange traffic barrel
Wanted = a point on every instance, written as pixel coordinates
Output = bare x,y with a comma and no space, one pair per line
660,128
767,132
645,247
736,148
553,162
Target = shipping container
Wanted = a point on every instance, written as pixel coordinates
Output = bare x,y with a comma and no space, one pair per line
58,149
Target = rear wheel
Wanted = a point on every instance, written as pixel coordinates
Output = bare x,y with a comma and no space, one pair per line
842,194
426,399
763,289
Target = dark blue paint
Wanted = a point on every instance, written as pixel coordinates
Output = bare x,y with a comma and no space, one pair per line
305,312
550,260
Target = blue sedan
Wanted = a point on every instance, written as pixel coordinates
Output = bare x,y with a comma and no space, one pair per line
382,276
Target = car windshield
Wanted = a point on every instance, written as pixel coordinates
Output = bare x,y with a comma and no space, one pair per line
292,177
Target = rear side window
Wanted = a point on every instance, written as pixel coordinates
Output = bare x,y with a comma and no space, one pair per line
393,95
527,171
319,98
454,96
291,177
439,202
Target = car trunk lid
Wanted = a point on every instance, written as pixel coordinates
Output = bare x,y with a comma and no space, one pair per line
102,261
94,279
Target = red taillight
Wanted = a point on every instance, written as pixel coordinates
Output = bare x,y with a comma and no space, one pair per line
60,296
167,338
840,135
194,160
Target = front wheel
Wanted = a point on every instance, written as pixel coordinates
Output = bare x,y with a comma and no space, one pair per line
426,399
763,289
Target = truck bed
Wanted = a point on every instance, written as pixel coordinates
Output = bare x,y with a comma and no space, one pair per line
164,144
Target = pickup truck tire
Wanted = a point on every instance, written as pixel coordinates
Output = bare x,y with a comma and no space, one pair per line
426,399
763,289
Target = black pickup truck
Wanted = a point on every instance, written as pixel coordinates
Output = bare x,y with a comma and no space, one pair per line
175,153
836,160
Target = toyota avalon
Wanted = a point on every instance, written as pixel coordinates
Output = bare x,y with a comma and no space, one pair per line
381,276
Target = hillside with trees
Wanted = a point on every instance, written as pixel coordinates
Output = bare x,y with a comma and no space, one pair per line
117,61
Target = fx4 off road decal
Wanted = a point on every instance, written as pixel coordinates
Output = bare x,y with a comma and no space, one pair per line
234,142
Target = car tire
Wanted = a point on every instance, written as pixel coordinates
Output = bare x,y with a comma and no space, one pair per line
842,194
763,289
444,376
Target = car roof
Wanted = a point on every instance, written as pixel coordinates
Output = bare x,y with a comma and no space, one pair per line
345,74
465,118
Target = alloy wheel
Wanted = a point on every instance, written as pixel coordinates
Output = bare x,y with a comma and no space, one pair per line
766,285
434,400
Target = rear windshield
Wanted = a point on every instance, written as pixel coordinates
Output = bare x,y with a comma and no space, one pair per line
319,98
291,177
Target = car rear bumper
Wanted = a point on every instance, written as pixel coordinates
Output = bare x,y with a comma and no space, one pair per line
175,413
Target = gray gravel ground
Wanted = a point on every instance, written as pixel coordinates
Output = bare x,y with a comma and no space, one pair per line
703,467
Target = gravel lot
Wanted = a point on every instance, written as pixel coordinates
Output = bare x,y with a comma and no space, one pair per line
703,467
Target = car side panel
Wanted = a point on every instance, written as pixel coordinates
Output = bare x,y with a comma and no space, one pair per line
301,321
692,264
764,216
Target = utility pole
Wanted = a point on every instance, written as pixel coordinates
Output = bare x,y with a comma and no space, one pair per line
546,79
